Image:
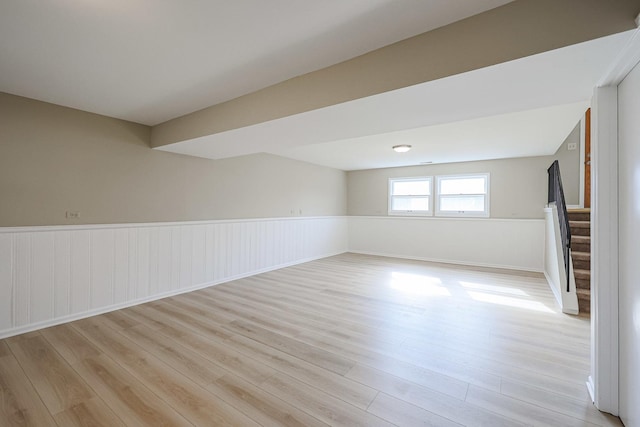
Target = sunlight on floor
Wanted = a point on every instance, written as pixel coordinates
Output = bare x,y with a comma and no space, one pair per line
495,289
416,284
509,301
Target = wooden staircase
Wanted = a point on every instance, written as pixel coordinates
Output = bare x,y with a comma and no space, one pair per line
580,224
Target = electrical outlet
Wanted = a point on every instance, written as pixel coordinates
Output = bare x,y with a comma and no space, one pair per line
572,146
73,215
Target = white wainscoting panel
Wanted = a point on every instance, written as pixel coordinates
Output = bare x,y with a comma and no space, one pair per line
487,242
51,275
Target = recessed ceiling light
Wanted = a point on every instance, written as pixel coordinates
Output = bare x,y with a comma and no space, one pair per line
403,148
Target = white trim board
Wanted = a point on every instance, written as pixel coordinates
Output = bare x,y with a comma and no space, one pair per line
38,228
583,126
604,251
626,60
603,383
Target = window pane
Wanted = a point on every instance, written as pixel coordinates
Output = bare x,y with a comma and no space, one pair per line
462,203
473,185
410,188
410,204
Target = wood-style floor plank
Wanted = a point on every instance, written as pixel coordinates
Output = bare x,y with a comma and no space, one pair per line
69,343
384,381
20,404
264,407
197,368
4,349
581,409
219,352
314,355
402,413
93,412
189,399
134,403
337,385
327,408
346,340
56,382
520,410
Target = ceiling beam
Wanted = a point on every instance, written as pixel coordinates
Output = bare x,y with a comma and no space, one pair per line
515,30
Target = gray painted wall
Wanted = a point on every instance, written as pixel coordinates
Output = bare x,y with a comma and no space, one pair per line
55,159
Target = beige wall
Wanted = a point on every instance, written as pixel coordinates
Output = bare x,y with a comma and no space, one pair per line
518,186
55,159
569,161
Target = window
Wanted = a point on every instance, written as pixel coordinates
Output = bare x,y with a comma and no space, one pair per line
410,196
463,195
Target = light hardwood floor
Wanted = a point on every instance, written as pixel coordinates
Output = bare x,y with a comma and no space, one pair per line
348,340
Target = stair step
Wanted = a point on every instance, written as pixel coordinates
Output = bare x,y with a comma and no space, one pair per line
582,274
580,246
584,300
581,243
583,278
583,284
579,222
581,264
580,256
580,228
579,214
581,260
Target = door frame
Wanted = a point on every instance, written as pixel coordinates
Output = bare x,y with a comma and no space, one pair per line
583,154
604,379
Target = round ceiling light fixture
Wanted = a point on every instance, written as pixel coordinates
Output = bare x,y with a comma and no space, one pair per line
403,148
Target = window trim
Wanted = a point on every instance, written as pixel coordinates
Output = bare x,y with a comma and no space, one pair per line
468,214
390,196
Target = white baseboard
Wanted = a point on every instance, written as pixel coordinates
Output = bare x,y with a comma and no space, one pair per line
558,297
591,389
554,289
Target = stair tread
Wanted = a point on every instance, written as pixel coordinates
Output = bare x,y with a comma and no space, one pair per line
582,273
580,224
584,293
581,239
580,256
579,215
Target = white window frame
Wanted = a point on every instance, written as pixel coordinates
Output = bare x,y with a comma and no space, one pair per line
410,212
470,214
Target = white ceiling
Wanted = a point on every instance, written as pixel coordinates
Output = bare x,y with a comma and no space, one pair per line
525,107
522,134
148,61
